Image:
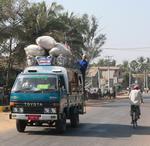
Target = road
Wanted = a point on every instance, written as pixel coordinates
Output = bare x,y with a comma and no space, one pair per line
106,124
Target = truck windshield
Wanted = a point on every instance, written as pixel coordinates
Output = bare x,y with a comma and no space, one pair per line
35,83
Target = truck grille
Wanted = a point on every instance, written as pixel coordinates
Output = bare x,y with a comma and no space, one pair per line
33,110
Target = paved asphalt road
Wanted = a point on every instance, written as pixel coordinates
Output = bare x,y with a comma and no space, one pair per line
106,124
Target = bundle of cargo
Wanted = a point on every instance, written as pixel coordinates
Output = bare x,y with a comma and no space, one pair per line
31,52
60,49
34,50
46,42
58,52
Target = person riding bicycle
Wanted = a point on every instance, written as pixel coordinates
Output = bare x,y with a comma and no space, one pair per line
136,99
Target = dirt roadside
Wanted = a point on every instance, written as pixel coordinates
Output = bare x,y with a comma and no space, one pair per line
5,123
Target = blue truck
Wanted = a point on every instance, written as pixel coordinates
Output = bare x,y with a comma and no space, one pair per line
47,96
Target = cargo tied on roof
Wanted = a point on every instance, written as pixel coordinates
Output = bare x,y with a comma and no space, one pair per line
48,52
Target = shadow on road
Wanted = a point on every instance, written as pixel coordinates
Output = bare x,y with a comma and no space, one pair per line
108,103
113,102
97,130
98,103
115,105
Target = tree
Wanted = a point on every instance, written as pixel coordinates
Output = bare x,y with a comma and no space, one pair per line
134,66
22,22
10,28
93,40
80,33
37,19
69,30
141,64
125,68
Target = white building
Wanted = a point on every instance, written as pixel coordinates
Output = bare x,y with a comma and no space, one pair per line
103,76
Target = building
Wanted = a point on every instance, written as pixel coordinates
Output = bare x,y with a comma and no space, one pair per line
103,76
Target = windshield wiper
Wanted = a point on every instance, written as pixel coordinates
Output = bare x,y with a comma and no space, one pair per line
18,91
22,90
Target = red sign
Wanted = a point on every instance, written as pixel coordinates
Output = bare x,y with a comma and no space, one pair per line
33,117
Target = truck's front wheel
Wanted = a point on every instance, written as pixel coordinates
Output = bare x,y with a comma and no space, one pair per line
74,119
61,124
20,125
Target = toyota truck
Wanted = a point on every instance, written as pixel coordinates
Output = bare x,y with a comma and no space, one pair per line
47,96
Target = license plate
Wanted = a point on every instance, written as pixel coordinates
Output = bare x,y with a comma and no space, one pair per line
33,117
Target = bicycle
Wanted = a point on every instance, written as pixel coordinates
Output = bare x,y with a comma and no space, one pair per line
135,113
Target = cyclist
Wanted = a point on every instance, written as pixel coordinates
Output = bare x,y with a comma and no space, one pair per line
136,99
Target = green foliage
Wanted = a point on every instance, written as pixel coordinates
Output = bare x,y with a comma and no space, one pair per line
139,65
134,66
93,40
22,22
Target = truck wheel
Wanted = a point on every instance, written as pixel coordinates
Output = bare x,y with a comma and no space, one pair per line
74,120
61,124
20,125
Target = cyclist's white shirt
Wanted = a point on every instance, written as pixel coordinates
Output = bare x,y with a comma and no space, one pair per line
135,97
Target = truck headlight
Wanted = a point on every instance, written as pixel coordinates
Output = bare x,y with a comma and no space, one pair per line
46,110
53,110
15,110
49,110
21,110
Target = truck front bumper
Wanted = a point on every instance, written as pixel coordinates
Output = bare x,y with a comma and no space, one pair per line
42,117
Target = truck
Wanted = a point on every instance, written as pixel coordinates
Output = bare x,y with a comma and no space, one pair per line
47,96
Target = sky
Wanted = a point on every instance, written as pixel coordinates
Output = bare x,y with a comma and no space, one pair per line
126,24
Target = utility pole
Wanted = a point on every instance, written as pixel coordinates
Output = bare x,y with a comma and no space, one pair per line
146,81
108,65
129,77
99,81
144,78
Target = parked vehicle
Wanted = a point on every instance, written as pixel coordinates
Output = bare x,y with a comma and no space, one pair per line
94,93
47,96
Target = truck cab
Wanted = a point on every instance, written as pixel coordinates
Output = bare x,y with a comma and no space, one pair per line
47,95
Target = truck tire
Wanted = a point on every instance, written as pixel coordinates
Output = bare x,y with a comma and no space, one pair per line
74,119
21,125
61,124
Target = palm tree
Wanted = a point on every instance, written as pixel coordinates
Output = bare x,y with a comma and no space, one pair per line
39,20
134,66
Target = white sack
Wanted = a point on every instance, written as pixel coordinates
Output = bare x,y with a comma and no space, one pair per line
34,50
46,42
60,49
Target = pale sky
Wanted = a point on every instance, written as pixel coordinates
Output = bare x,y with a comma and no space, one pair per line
126,24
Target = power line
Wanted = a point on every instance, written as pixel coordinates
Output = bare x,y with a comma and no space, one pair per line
127,49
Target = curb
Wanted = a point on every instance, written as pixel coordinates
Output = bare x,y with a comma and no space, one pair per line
4,108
